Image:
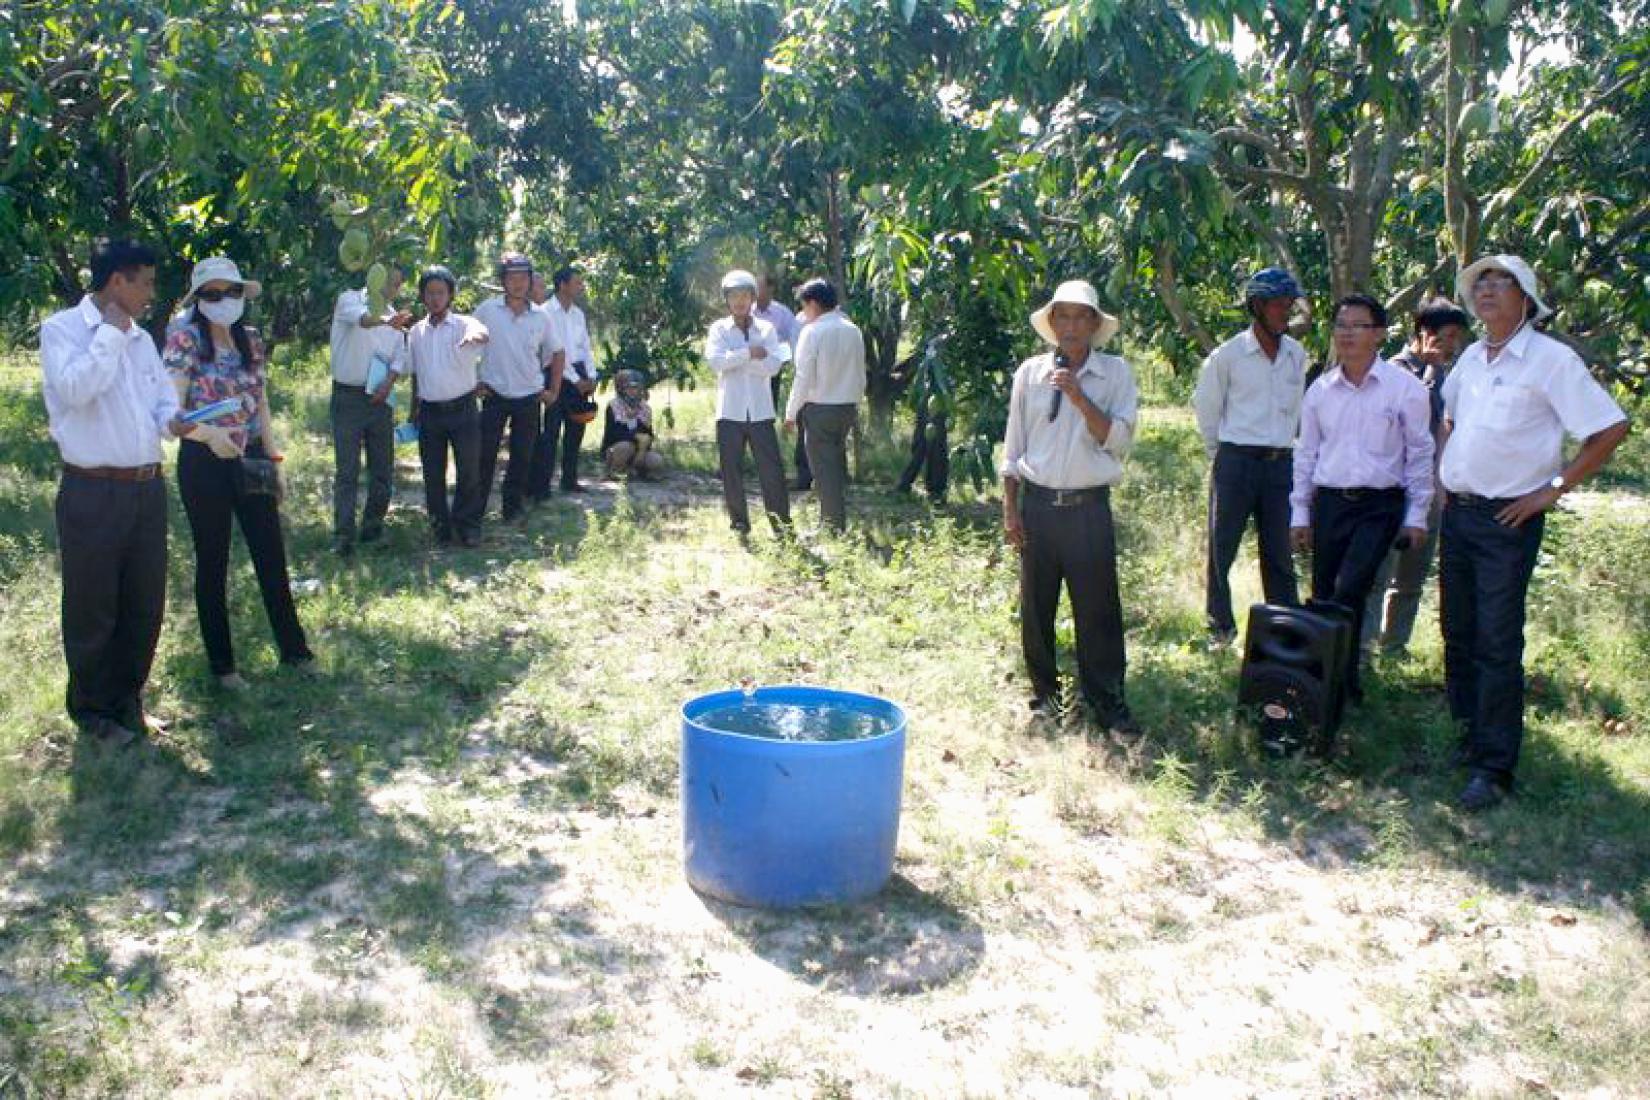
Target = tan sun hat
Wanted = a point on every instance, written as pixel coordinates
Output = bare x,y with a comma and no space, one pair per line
217,268
1078,293
1513,266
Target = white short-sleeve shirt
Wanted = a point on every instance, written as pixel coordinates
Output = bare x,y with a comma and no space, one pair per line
1509,417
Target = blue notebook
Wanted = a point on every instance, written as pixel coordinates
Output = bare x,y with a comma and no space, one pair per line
211,412
376,374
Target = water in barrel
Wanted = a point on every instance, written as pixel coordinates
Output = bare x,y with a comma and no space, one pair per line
795,721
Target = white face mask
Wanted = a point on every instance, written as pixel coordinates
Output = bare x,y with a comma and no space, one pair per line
226,312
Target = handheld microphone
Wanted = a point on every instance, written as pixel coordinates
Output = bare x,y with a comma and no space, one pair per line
1061,362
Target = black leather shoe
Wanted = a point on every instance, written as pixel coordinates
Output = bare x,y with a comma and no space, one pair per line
1114,715
1481,793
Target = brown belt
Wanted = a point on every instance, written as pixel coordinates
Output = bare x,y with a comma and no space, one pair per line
115,473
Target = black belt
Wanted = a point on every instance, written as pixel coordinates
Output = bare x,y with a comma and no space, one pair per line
115,473
1473,500
467,401
346,387
1390,492
1271,454
1064,498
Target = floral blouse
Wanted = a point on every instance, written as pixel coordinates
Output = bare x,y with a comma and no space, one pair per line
224,377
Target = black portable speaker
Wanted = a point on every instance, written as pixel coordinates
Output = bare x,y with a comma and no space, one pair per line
1294,674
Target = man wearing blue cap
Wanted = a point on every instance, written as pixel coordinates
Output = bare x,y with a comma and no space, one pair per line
1248,404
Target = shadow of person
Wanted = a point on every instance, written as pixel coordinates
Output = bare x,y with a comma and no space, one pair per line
903,940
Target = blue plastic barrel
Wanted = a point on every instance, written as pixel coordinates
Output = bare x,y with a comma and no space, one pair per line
780,823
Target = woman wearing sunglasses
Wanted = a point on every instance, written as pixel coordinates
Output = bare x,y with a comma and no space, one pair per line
218,366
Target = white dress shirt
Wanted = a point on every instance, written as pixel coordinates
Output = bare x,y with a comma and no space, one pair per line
353,346
444,370
1374,436
575,340
782,319
109,401
1509,417
830,364
519,347
1062,453
389,344
1245,398
742,389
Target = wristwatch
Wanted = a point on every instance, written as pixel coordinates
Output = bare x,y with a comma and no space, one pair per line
1557,483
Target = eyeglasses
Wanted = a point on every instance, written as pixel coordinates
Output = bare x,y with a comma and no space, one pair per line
215,295
1491,284
1355,326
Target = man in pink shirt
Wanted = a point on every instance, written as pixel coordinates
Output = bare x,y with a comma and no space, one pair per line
1363,465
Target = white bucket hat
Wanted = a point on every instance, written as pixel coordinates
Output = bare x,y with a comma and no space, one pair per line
1513,266
1078,293
218,268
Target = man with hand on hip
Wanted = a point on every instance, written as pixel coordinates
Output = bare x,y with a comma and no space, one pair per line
1508,404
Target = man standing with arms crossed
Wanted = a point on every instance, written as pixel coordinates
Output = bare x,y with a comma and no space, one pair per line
1508,404
1248,402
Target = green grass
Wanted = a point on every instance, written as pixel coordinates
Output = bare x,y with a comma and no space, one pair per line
449,863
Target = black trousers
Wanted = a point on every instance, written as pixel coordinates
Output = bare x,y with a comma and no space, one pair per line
732,436
804,472
455,426
358,423
560,430
522,415
1483,579
1073,544
111,540
1352,530
212,498
1245,484
930,458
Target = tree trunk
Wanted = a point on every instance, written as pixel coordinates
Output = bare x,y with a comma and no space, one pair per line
1169,291
835,243
882,388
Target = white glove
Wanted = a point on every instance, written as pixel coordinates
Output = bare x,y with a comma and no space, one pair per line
219,439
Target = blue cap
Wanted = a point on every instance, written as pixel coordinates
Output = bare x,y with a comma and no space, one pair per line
1271,282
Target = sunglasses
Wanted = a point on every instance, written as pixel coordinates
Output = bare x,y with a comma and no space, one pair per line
219,295
1492,283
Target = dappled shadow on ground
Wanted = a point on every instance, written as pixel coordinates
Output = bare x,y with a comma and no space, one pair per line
1575,833
903,941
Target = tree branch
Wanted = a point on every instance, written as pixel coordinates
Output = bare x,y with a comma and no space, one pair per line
1549,154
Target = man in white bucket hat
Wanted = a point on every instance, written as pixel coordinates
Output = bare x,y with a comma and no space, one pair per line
1071,418
1508,404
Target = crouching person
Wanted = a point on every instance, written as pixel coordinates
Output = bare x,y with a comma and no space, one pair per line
627,436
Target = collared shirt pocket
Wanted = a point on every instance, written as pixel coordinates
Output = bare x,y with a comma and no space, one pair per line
1378,430
1512,406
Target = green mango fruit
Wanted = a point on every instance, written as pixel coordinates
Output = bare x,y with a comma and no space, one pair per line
377,276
